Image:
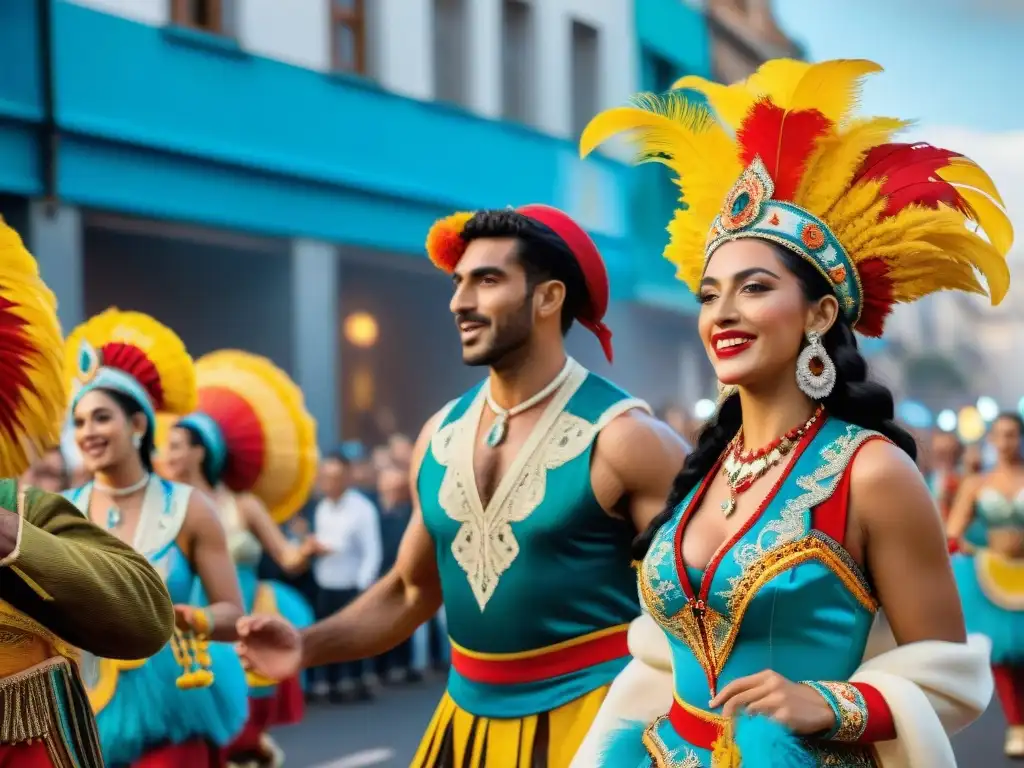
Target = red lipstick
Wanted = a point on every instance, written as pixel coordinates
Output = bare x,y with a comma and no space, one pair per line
731,343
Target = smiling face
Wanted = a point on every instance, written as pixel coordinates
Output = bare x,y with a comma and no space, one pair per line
103,431
491,302
755,313
181,458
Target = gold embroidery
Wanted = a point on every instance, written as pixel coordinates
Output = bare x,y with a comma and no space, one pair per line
12,619
850,707
842,756
662,756
485,545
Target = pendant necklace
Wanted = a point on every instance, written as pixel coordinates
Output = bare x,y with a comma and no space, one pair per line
499,429
114,516
744,468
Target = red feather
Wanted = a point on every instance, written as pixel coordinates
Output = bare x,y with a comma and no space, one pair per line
909,175
783,140
876,296
132,360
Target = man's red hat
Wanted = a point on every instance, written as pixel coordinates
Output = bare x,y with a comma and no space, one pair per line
445,247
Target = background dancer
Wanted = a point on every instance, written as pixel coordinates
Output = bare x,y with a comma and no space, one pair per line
180,706
801,512
66,584
990,568
251,446
528,491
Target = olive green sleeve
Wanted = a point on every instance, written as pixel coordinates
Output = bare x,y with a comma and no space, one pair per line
83,584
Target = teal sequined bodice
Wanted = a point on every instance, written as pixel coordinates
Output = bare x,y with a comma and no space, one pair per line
543,562
994,510
781,595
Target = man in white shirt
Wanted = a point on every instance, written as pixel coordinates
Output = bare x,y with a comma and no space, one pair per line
347,524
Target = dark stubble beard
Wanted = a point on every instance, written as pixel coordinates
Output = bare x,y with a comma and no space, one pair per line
510,337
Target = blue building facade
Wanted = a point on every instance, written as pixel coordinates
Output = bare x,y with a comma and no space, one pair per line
134,155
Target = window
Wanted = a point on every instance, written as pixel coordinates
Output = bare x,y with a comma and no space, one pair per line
585,84
517,58
207,15
663,73
450,45
348,36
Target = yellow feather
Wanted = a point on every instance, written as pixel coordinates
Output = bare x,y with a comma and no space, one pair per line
837,158
33,371
832,87
157,342
729,102
964,172
991,217
289,431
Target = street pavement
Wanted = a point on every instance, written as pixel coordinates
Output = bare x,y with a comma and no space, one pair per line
385,733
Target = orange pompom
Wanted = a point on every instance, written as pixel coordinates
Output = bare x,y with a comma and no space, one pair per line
445,245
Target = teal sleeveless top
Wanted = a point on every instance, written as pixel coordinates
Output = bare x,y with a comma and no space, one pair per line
782,594
543,564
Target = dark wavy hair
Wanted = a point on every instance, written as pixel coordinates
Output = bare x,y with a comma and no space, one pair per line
196,441
541,252
854,399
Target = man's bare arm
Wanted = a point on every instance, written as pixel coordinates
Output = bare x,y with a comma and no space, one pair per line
644,455
390,611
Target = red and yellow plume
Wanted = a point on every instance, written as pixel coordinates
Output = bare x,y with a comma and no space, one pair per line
32,395
270,437
780,156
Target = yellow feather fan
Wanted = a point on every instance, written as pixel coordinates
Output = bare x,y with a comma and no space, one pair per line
269,434
135,343
34,400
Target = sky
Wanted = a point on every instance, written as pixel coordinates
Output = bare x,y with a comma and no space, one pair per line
956,65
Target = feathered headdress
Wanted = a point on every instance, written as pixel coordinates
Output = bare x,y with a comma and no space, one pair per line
780,157
32,395
446,245
133,354
254,425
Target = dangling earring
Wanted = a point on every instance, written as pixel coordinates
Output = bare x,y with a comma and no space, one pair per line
136,440
815,371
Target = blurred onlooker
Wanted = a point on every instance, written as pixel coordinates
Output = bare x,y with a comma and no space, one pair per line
345,522
48,473
361,472
943,469
401,447
395,510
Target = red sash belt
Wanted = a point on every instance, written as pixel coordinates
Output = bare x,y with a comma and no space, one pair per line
543,663
699,728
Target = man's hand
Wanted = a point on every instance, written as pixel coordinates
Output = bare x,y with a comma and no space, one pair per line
269,646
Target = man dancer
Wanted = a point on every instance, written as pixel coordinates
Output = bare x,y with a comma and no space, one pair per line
65,584
528,490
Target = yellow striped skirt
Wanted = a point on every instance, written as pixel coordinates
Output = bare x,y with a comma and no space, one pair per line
457,739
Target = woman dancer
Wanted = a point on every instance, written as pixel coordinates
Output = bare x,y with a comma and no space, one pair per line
250,446
992,580
801,511
184,703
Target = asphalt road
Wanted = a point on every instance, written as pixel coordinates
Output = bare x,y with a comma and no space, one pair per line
385,733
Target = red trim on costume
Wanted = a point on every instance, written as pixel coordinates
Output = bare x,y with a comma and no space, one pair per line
243,435
194,754
698,731
1010,690
830,517
545,664
880,725
953,545
25,755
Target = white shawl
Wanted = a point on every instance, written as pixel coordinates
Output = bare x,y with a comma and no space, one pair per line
933,688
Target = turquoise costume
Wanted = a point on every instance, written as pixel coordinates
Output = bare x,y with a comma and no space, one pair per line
257,596
992,587
538,589
781,595
139,706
